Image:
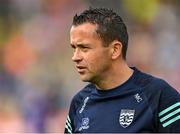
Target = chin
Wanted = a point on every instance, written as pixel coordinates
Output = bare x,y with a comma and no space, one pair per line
85,79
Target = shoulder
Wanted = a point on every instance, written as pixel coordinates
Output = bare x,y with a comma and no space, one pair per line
83,93
163,100
161,92
157,90
159,86
152,84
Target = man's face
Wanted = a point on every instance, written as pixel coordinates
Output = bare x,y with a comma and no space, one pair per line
93,60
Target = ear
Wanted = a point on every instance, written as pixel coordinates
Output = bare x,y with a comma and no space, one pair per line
116,49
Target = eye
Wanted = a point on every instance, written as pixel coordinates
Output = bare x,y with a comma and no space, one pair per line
84,48
73,46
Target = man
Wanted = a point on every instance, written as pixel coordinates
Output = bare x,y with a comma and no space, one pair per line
118,98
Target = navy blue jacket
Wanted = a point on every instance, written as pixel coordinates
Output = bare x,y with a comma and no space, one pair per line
142,104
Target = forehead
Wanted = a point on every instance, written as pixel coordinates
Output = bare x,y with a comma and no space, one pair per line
83,30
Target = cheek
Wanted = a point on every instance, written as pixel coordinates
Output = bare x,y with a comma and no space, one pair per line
97,62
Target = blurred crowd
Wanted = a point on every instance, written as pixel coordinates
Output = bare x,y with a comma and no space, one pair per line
37,76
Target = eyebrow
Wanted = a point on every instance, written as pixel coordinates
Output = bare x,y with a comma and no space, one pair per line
78,45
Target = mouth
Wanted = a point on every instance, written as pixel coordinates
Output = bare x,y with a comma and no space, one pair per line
81,69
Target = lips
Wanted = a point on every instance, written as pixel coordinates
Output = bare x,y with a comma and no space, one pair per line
80,69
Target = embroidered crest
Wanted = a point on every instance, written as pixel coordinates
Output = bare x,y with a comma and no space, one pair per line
126,117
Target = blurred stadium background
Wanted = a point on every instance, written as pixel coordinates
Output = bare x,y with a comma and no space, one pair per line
37,76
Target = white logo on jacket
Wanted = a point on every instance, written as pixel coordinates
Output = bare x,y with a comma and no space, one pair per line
84,124
126,117
138,97
84,105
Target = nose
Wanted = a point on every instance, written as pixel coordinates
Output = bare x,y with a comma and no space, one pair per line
77,56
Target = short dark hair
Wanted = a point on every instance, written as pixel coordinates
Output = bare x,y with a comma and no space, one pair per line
110,25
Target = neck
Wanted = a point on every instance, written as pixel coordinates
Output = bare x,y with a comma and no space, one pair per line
116,76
